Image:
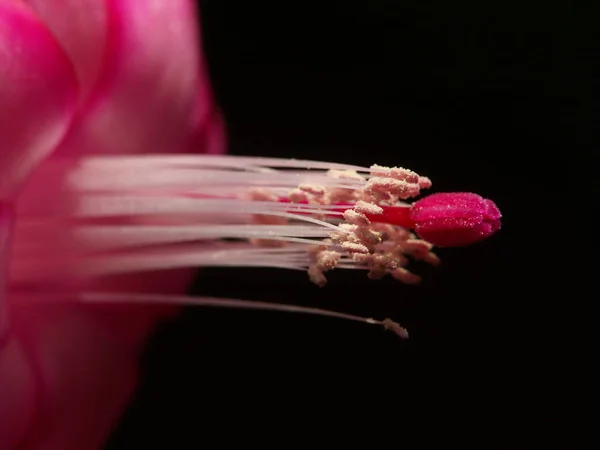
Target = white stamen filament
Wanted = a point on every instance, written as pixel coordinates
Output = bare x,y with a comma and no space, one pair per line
126,205
132,298
112,215
294,257
212,161
154,223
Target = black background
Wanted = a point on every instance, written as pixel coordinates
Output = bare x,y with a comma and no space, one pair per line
494,101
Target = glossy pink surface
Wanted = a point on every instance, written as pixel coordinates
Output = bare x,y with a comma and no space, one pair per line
455,219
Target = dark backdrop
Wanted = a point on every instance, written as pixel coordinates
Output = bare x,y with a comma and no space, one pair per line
488,100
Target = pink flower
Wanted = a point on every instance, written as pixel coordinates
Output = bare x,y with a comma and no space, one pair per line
105,206
83,77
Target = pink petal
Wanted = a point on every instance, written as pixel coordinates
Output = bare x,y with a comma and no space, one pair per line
209,136
38,94
81,27
127,119
152,95
17,390
85,375
153,91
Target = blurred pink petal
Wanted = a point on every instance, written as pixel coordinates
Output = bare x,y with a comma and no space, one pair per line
153,95
146,99
38,94
37,102
81,27
149,92
18,393
210,136
86,374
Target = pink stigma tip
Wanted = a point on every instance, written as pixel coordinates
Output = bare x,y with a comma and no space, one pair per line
455,219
